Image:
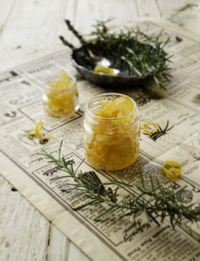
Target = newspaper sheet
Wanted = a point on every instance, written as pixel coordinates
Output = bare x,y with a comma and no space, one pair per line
21,105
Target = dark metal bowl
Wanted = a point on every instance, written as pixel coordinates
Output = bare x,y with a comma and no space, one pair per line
105,80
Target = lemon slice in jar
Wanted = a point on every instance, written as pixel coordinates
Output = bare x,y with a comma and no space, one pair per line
116,108
61,83
125,106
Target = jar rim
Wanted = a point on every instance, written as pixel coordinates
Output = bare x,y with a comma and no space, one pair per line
109,94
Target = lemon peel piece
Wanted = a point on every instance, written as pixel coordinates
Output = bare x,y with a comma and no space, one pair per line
30,134
119,107
149,127
43,139
105,70
38,128
171,169
37,133
62,82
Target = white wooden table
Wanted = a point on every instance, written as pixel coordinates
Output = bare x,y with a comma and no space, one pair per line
25,28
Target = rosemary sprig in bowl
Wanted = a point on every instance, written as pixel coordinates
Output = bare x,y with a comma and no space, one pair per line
157,202
135,55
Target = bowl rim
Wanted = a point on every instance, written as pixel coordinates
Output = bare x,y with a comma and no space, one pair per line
82,68
97,74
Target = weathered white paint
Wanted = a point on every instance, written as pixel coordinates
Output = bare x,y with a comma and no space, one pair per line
23,230
76,254
58,245
25,28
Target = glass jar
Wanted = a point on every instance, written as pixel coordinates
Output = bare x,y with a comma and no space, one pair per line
61,95
111,141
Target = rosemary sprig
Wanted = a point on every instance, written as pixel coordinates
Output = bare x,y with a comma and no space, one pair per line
157,202
75,32
131,51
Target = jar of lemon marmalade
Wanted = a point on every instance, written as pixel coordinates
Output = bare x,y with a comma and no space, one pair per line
61,95
112,131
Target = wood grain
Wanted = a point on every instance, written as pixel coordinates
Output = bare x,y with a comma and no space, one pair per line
24,231
6,10
32,25
76,254
58,245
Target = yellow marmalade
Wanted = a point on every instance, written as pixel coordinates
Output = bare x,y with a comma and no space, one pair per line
112,131
61,95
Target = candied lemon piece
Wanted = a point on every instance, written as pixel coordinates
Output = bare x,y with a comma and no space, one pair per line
105,70
37,133
171,169
116,108
61,83
125,106
112,143
61,96
38,128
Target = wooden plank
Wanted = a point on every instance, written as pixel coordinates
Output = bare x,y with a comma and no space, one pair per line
6,8
75,254
148,8
88,12
58,245
32,25
24,231
169,7
186,19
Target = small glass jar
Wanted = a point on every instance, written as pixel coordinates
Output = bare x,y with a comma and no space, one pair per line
61,95
111,143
